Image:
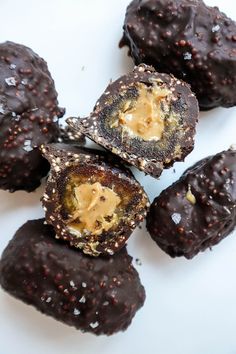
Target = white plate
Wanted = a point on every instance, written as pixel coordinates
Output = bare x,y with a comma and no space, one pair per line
191,305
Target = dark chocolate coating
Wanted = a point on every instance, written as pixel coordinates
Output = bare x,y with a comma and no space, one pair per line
148,156
29,115
94,166
192,41
183,224
94,295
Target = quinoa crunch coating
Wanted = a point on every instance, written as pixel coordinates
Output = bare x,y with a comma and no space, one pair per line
197,211
97,295
29,116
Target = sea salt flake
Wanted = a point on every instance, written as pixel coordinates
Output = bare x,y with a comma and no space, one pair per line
215,28
94,324
106,303
176,217
24,82
82,300
55,119
27,146
10,81
84,285
76,312
17,118
12,66
72,284
49,299
227,210
2,109
187,56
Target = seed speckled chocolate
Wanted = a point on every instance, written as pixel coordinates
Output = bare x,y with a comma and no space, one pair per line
91,200
146,118
100,296
29,115
192,41
198,210
70,136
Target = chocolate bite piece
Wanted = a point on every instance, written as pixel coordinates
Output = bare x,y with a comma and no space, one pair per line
198,210
94,295
146,118
91,200
29,115
192,41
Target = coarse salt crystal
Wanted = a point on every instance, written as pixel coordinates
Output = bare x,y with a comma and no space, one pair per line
215,28
76,312
83,299
227,210
176,217
24,82
94,324
187,56
10,81
27,146
2,109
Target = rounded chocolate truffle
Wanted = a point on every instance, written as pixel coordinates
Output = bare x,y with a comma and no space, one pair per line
29,115
192,41
146,118
91,200
94,295
198,210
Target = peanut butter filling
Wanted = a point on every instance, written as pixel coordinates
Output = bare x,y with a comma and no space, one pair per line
145,118
95,207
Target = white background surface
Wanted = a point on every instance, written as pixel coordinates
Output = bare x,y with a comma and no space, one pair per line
191,305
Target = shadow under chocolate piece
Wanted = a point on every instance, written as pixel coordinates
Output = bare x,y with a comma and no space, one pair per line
192,41
198,210
146,118
91,200
94,295
29,115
